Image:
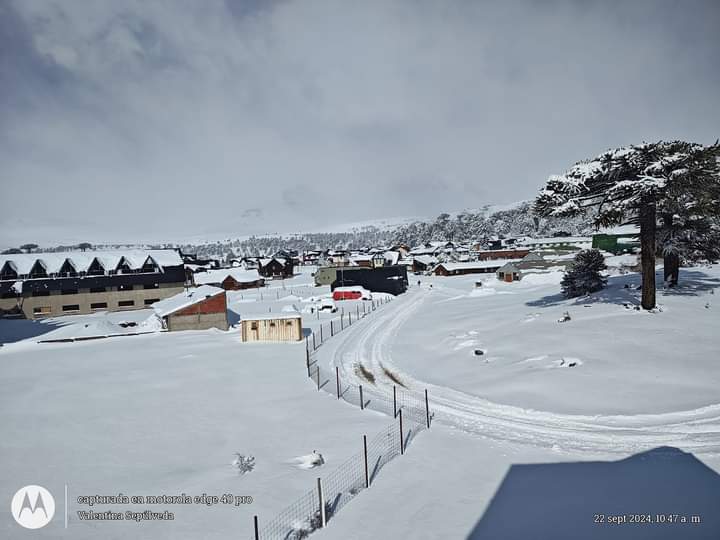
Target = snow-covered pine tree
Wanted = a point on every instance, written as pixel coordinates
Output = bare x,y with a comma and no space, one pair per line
584,275
628,185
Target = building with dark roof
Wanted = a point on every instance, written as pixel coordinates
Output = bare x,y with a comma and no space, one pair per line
69,283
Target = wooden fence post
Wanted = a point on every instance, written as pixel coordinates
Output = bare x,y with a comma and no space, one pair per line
427,409
257,530
362,402
323,517
367,476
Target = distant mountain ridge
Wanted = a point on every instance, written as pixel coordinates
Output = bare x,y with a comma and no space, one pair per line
478,225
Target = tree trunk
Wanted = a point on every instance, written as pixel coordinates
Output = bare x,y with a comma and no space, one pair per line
647,253
671,268
671,261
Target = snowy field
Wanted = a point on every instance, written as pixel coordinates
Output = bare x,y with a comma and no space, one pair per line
165,413
607,359
523,443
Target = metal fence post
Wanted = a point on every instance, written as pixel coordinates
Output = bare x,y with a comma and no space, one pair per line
427,409
332,329
394,401
314,346
323,517
362,401
367,476
402,445
321,336
257,531
337,380
317,371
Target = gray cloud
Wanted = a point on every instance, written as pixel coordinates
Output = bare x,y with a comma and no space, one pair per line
166,120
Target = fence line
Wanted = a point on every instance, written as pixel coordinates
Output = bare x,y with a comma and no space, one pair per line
410,416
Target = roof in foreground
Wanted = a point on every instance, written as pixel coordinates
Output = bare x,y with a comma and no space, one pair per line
187,298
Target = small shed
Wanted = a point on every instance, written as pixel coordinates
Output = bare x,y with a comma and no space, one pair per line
509,272
194,309
283,326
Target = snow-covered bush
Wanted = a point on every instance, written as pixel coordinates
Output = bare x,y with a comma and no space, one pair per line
583,276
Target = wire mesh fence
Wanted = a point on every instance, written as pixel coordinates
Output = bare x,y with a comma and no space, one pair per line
338,487
341,485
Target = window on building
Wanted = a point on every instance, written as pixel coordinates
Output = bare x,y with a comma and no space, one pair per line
151,301
128,287
123,267
69,291
41,310
96,269
41,293
71,307
126,303
272,323
8,272
67,269
288,323
98,305
150,266
254,325
151,286
38,270
98,289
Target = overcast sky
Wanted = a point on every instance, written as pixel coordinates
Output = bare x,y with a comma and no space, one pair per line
123,120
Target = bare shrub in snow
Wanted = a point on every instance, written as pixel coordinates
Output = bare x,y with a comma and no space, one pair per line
243,463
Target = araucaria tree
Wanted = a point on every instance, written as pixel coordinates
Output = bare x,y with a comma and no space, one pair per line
635,184
584,275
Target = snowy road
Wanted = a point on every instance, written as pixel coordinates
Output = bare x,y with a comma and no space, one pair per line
370,341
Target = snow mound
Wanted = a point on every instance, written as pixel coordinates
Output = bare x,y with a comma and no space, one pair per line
484,291
309,461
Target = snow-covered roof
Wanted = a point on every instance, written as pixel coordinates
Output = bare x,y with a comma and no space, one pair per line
269,316
426,259
81,260
491,263
557,240
392,256
621,230
351,288
165,307
218,276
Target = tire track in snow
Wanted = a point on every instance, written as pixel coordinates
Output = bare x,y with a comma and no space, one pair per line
369,342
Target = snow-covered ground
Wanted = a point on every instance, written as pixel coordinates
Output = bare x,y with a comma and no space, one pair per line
639,403
613,412
165,413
